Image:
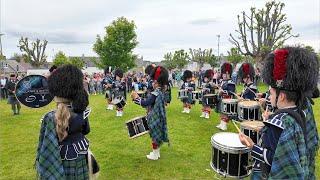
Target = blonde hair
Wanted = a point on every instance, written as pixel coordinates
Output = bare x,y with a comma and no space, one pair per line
62,117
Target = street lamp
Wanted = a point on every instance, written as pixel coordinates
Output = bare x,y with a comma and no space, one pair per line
218,46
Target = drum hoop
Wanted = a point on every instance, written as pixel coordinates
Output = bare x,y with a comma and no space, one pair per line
232,150
242,126
242,104
139,117
227,101
140,134
225,174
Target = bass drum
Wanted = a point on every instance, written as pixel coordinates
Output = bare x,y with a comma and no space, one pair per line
33,91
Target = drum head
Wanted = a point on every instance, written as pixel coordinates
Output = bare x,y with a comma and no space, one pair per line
210,95
228,139
253,125
230,100
248,103
33,91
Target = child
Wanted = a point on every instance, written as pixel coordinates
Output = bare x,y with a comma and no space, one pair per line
188,86
107,83
63,147
284,149
226,91
207,88
119,89
246,73
156,115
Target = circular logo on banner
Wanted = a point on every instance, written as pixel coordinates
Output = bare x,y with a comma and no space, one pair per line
33,91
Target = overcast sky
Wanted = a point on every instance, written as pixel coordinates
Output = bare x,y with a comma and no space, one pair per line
162,26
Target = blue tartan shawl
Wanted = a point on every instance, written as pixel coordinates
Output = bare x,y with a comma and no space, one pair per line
157,120
48,161
312,139
290,158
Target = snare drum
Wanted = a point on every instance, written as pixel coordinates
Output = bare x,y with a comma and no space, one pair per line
196,95
249,110
229,107
229,157
182,94
210,99
252,129
137,127
142,94
119,102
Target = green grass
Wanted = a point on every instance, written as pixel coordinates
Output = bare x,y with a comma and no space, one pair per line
188,157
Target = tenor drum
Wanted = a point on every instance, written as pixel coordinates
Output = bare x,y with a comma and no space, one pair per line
182,94
252,129
33,91
196,95
229,107
211,99
229,157
249,110
137,127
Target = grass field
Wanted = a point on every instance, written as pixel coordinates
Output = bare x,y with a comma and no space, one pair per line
188,157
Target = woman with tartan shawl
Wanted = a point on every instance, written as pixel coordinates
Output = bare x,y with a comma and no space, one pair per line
289,140
189,86
62,148
156,116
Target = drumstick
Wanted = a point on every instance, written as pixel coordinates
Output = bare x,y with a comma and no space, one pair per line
246,141
236,126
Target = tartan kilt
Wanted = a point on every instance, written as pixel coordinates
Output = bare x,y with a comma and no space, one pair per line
12,100
76,169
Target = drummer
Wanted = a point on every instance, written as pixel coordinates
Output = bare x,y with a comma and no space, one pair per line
188,86
119,89
246,73
287,148
207,88
156,115
11,87
227,90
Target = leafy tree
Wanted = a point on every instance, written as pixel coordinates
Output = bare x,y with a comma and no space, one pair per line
34,53
198,55
116,47
60,59
262,30
180,58
310,48
76,61
168,61
234,56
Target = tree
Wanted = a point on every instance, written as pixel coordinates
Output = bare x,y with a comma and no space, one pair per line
310,48
60,59
197,55
234,56
262,31
33,54
116,47
168,61
180,58
212,60
76,61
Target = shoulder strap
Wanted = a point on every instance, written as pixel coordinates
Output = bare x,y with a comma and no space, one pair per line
299,118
